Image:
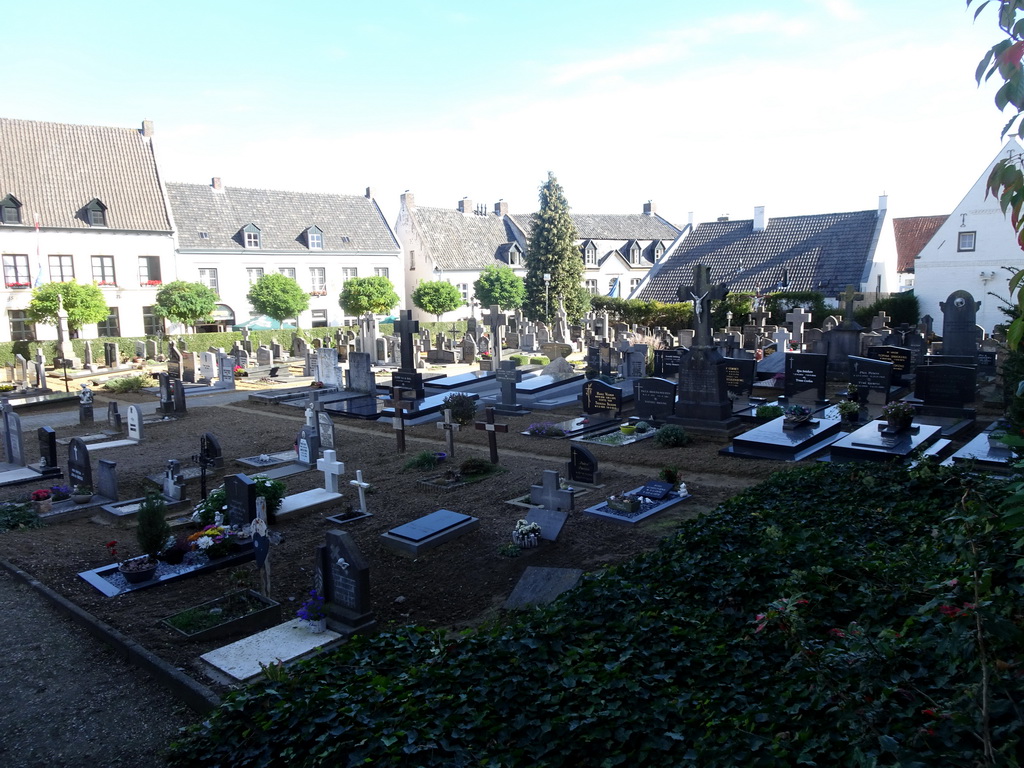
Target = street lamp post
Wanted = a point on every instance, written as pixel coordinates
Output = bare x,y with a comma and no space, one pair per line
547,286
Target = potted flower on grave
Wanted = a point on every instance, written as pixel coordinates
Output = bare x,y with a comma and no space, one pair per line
625,503
42,500
526,535
627,429
899,415
60,492
848,410
135,570
240,371
175,550
214,541
314,612
81,494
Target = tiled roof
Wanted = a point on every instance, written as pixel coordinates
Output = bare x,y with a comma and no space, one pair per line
913,234
56,169
824,252
626,226
462,241
349,222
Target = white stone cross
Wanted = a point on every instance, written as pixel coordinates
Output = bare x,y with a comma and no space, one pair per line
782,338
362,486
450,428
332,470
310,415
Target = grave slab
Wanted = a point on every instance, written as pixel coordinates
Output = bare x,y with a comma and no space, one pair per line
99,577
428,532
997,459
869,443
551,521
317,499
240,661
671,500
773,441
540,586
90,447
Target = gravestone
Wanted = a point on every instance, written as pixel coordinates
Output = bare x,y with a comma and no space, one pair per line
226,371
582,466
739,376
134,423
188,367
492,429
450,428
264,357
806,371
428,532
241,500
106,480
325,430
554,505
174,481
360,374
960,324
47,451
151,351
900,357
407,377
945,386
166,397
113,417
668,361
79,466
173,360
654,398
111,355
85,415
13,439
332,469
871,376
308,444
598,397
210,453
208,366
327,367
178,397
508,376
342,575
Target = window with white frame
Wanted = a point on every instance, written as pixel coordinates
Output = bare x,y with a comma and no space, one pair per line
62,269
21,328
315,239
318,278
380,272
659,250
966,241
149,270
634,254
319,318
16,272
111,326
464,290
288,272
251,236
208,277
347,272
591,286
254,274
152,324
103,270
634,283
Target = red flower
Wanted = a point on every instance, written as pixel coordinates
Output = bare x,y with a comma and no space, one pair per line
836,632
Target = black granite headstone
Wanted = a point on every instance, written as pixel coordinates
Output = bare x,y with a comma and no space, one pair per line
900,357
739,376
79,466
598,396
582,466
210,451
47,451
871,375
806,371
241,500
308,445
945,386
342,576
654,398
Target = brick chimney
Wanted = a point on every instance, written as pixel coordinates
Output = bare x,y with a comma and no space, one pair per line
465,206
147,128
408,200
649,208
759,218
215,183
369,193
501,208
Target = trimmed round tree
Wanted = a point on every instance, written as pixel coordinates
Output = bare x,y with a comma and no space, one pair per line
360,295
279,297
84,304
499,284
185,303
437,297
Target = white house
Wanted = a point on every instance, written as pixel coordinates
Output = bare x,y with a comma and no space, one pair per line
969,252
83,203
227,238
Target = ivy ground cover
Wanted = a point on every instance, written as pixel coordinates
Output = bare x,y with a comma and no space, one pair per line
834,615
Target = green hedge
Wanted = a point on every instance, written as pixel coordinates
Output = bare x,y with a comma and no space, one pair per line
834,615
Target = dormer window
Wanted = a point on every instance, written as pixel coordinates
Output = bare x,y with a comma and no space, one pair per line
515,256
251,236
590,254
634,254
315,238
96,214
10,210
659,250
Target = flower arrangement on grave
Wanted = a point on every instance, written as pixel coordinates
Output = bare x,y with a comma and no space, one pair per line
625,503
768,412
545,429
82,489
43,494
213,541
847,408
314,609
60,492
899,413
316,384
134,569
175,549
797,412
240,371
213,509
526,534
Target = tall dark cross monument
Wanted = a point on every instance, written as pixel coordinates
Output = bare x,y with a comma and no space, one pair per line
496,319
844,340
407,377
703,401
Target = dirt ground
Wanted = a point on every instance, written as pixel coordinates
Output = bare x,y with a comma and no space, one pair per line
459,583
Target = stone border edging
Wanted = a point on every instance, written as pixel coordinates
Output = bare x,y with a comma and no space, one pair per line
195,695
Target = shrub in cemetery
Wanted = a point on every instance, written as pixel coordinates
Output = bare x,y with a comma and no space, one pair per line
152,530
422,460
476,466
519,359
900,307
672,436
216,500
591,373
463,407
539,360
670,475
642,426
781,302
16,516
768,412
129,384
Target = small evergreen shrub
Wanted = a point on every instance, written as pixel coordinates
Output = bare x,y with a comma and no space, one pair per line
591,373
669,475
642,426
14,516
476,466
519,359
153,530
422,460
768,412
463,408
539,360
129,384
672,436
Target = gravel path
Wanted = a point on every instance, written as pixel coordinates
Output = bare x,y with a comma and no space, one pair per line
68,699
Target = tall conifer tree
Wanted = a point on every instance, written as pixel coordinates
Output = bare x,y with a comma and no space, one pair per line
552,249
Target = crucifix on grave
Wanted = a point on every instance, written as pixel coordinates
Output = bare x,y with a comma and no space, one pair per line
406,328
397,402
362,486
848,297
450,428
702,293
496,320
492,429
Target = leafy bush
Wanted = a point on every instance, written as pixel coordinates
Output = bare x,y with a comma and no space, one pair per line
769,412
642,426
476,466
217,499
13,515
519,359
901,308
672,436
539,360
670,475
463,407
798,624
422,460
129,384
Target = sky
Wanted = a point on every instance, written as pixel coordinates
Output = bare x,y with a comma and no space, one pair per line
802,106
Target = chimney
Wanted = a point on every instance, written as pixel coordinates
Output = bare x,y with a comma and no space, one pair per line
369,193
759,218
724,217
408,200
649,208
465,205
147,128
215,183
689,219
883,203
501,208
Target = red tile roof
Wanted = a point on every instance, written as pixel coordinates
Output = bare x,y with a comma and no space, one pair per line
913,234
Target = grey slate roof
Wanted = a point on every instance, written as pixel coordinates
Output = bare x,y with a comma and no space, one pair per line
824,252
460,241
282,218
624,226
56,169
